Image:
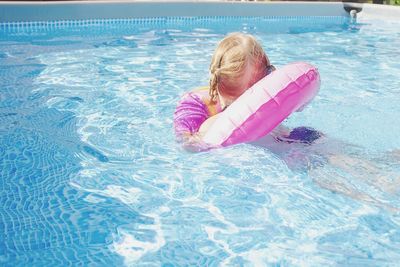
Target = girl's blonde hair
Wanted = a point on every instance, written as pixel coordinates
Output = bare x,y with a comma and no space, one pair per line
230,58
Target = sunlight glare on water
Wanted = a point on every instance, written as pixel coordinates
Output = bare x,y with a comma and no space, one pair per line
92,174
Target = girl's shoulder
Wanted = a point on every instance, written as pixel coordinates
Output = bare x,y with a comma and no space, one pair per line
213,107
201,95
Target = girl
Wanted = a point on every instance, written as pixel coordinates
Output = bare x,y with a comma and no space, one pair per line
238,62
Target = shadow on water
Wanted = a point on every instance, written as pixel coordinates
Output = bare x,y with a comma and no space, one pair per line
44,220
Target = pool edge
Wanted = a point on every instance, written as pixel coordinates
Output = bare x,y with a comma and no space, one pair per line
63,10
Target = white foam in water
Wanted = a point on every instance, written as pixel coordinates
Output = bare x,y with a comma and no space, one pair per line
132,249
125,195
261,256
94,199
125,243
212,231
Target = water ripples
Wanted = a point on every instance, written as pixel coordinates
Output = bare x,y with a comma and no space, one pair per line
92,173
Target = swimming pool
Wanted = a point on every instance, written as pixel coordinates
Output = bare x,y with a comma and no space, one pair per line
91,172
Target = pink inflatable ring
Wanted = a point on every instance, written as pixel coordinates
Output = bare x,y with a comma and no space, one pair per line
266,104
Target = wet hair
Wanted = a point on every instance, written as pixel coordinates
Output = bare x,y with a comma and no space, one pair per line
230,58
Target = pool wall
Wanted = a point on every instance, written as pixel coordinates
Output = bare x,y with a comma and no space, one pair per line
64,10
27,11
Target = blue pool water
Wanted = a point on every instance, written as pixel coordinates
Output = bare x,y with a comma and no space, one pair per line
91,173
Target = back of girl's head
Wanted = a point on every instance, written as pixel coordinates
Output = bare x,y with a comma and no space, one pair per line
230,58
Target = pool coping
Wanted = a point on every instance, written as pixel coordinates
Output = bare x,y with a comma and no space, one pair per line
26,11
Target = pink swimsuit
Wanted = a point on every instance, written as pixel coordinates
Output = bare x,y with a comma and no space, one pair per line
192,110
